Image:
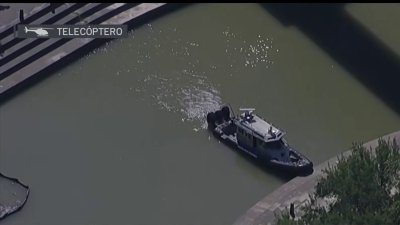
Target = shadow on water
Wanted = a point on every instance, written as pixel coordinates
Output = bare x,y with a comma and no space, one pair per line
347,42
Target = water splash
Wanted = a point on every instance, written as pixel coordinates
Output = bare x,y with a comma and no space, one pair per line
190,96
182,87
197,103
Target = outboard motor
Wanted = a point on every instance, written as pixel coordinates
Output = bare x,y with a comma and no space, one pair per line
219,116
211,119
226,113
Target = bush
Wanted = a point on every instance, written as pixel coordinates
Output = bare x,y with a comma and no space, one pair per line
363,189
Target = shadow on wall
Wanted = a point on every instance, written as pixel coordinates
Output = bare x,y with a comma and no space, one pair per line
347,42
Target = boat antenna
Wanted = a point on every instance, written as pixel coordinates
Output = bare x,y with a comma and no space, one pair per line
229,105
249,110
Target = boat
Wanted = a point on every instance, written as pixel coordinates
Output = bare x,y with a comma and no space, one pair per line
258,138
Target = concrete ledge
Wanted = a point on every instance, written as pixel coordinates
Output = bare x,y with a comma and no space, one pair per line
295,191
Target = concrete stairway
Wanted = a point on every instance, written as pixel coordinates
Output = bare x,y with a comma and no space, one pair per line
30,59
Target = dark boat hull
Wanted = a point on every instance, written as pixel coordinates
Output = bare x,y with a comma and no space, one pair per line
306,169
290,169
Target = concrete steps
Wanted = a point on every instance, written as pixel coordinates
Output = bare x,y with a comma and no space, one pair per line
17,46
23,48
31,17
47,45
27,60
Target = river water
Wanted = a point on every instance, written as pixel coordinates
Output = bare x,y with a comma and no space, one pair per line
119,137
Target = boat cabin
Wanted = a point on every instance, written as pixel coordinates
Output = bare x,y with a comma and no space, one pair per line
253,132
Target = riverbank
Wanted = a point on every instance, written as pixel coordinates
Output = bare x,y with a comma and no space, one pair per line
295,191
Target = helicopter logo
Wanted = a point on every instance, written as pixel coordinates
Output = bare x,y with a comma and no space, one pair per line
40,32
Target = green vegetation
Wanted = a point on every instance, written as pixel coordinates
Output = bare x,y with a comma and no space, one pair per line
365,188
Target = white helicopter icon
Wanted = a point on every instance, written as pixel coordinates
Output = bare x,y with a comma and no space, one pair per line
41,32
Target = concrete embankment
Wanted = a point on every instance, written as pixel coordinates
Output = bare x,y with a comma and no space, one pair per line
295,191
26,61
